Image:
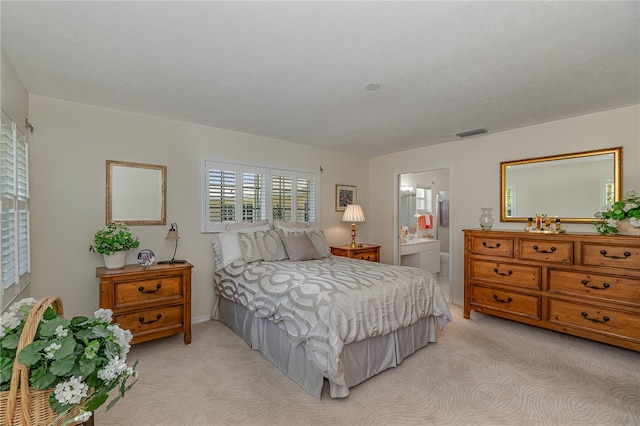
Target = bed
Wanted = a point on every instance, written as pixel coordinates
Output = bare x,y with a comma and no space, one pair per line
317,317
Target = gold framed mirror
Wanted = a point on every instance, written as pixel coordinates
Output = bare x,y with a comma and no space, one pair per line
136,193
571,187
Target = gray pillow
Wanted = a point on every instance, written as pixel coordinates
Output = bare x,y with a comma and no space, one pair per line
317,239
300,247
270,245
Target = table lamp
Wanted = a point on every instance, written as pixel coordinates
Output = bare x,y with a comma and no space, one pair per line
173,235
353,213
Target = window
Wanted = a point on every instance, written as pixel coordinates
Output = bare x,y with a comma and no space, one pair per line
14,208
246,193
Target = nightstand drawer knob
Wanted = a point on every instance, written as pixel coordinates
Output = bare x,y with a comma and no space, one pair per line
142,321
142,290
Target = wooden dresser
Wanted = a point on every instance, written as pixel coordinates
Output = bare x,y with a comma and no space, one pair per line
150,302
587,285
368,252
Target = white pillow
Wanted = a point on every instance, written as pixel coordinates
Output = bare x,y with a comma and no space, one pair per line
270,245
288,227
261,225
227,249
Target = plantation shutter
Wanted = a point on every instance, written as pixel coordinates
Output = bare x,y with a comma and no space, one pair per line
282,195
14,210
305,197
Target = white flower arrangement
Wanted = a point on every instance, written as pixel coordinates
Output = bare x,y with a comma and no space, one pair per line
82,358
629,208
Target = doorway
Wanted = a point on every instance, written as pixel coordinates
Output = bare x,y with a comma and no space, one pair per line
424,216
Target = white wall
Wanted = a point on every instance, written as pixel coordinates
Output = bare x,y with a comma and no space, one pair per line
475,172
69,150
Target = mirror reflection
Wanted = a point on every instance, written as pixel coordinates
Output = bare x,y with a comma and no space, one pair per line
572,186
136,193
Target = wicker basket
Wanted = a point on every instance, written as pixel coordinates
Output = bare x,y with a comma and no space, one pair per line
625,228
22,405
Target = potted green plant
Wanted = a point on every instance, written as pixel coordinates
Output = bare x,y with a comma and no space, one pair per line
113,242
73,364
623,217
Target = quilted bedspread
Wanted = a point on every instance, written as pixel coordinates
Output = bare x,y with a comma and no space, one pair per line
328,303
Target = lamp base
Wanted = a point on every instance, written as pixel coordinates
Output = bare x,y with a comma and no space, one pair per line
171,262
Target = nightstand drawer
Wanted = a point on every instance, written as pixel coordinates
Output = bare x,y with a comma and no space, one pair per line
147,291
370,255
368,252
151,320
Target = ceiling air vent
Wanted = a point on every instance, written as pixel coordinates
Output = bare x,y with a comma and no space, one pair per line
472,132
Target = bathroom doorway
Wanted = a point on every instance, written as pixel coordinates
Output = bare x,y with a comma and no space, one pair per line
423,223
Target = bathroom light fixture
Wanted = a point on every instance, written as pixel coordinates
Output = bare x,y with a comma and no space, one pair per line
406,188
173,235
353,213
473,132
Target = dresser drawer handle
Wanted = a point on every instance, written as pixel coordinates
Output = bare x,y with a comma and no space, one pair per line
509,272
586,316
484,243
604,253
142,321
142,290
544,251
604,285
509,300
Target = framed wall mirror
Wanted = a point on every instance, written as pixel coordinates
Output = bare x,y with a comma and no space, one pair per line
571,186
136,193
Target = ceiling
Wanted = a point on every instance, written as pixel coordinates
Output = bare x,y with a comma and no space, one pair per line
297,71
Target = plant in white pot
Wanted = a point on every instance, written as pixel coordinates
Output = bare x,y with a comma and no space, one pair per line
113,242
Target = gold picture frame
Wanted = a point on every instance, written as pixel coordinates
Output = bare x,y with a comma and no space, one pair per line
345,195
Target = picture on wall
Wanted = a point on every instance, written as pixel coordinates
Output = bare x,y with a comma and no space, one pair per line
345,195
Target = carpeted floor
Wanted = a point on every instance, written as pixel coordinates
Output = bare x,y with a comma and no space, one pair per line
483,371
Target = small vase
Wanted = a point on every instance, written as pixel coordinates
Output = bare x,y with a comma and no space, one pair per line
115,260
486,218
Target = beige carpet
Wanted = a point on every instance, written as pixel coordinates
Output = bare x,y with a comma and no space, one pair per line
483,371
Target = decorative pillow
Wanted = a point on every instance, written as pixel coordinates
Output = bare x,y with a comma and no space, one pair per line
270,245
317,239
226,246
261,225
249,247
300,247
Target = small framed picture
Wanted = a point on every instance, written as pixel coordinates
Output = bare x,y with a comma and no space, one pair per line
345,195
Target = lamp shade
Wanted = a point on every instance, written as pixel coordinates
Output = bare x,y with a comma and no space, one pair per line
173,233
353,213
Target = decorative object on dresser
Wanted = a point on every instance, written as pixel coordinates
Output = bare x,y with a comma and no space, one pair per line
486,218
586,285
622,217
152,302
354,214
368,252
113,242
173,235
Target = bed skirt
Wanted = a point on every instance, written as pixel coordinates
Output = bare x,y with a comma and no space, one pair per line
361,360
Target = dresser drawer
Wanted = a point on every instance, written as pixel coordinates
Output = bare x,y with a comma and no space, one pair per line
151,320
594,318
615,255
492,246
507,273
608,287
134,293
546,250
504,300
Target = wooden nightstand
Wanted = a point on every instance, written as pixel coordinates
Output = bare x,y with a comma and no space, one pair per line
151,302
368,252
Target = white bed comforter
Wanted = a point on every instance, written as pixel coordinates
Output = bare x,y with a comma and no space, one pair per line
328,303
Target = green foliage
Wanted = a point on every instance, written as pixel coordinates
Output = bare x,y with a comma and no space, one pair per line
85,354
629,208
113,238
